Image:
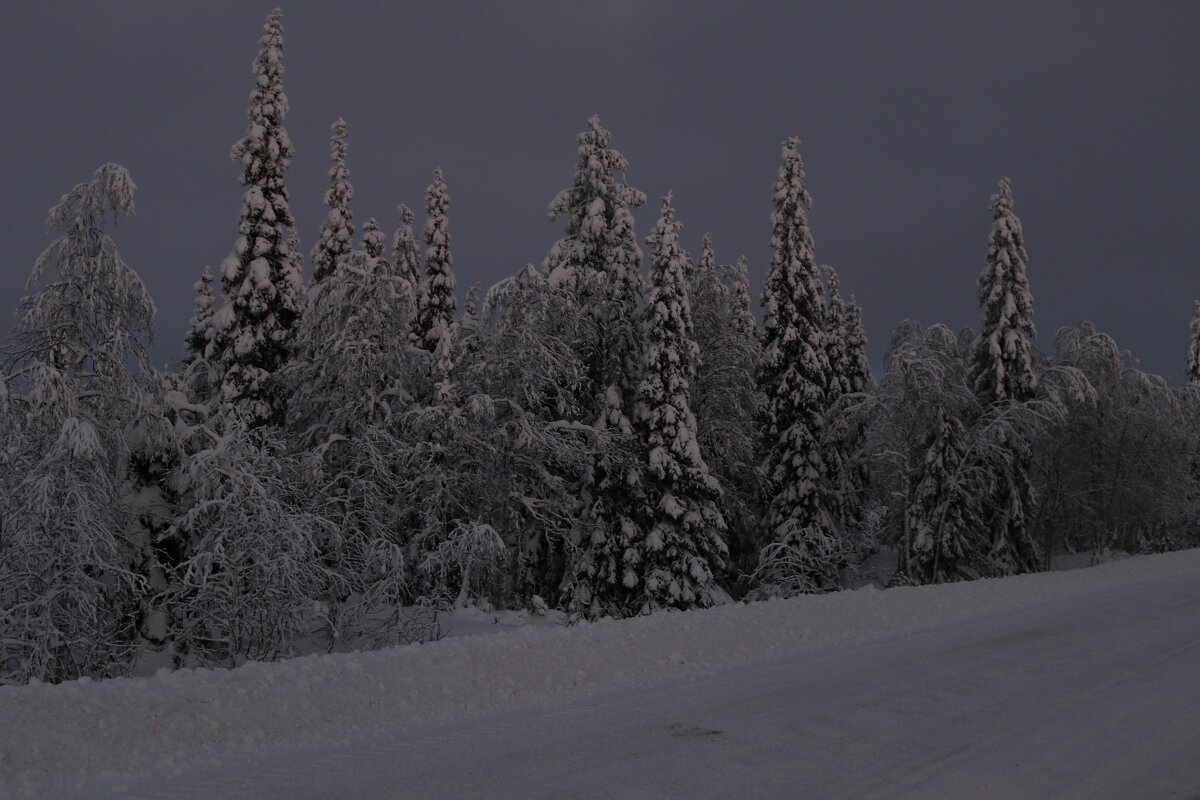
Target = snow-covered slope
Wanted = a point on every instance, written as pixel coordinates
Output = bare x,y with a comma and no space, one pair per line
1079,684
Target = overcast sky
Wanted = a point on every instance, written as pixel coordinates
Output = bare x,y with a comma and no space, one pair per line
909,114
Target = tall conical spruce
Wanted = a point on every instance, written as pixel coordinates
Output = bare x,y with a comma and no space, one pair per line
337,232
1003,373
801,551
684,549
199,338
1003,366
598,261
435,303
261,280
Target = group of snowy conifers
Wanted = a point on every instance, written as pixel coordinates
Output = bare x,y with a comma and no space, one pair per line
584,435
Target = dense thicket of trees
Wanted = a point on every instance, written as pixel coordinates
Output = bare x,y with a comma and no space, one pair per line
327,460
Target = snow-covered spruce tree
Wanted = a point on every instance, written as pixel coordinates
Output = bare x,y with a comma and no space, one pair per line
853,427
598,260
1003,373
709,300
683,551
942,517
406,255
725,398
155,453
923,453
261,280
801,551
435,299
927,374
198,378
834,444
1003,367
834,326
373,239
70,550
842,440
528,365
858,367
1193,363
467,334
337,231
199,339
707,265
744,320
470,315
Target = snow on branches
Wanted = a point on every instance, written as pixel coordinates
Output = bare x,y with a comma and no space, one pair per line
261,280
682,550
795,373
435,302
337,231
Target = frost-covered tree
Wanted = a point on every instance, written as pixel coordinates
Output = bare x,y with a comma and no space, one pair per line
353,377
435,303
470,315
373,239
250,582
1193,363
1010,514
725,396
1003,373
801,552
337,231
924,467
942,525
445,455
406,255
929,374
598,261
743,316
859,384
1119,471
528,365
71,557
841,441
1003,368
197,378
198,343
683,551
356,367
858,367
834,326
707,265
262,282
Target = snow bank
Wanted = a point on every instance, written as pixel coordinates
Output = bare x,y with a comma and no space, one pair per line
65,735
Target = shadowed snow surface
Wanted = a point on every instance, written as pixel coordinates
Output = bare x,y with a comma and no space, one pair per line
1082,684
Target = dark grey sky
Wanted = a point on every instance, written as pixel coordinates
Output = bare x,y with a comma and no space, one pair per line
909,112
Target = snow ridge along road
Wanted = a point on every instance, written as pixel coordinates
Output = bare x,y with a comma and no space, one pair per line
1082,684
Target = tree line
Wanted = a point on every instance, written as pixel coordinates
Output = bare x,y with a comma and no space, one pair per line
611,432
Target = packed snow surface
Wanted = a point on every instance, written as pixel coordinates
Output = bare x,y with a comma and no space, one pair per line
1081,684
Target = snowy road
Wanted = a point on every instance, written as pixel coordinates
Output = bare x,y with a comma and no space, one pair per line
1073,685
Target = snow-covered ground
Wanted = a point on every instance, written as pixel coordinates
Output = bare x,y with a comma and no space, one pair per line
1080,684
